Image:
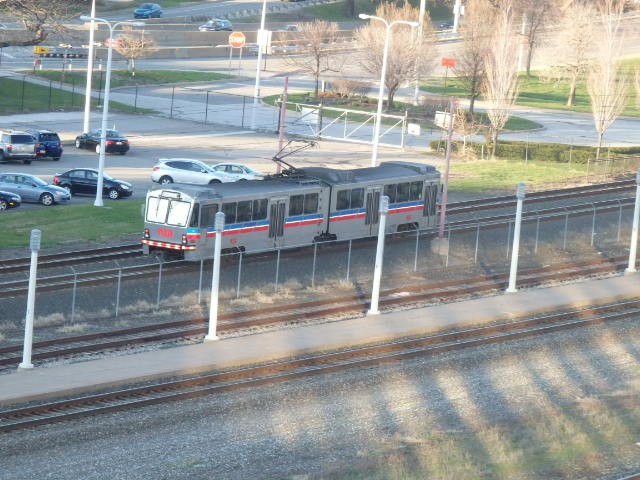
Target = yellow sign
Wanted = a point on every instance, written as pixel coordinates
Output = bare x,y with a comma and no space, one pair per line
40,50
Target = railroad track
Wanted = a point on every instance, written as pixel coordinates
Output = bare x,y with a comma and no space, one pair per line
19,287
314,364
129,251
348,305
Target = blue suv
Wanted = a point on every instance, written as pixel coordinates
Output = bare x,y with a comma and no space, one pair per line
148,10
48,144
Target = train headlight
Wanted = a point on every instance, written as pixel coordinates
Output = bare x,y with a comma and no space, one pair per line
146,233
184,238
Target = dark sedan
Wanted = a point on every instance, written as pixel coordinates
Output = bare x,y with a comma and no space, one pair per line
9,200
114,141
148,10
85,181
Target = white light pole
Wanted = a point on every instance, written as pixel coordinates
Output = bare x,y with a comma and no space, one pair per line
631,268
520,192
36,236
87,95
215,279
377,271
383,74
105,106
261,45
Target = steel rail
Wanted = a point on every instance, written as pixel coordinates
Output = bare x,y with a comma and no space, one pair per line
312,364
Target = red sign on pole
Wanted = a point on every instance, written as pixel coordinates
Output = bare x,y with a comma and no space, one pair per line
448,62
236,39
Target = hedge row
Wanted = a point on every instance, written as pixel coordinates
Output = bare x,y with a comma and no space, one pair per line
554,152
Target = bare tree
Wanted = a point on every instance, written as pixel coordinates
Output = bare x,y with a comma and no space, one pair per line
38,15
535,15
575,46
501,81
133,46
470,68
606,86
316,45
408,55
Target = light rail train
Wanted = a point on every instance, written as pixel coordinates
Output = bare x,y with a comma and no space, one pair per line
295,208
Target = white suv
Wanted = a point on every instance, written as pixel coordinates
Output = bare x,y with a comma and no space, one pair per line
16,145
185,170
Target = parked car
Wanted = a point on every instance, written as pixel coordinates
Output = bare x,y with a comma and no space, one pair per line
48,144
148,10
216,25
9,200
85,180
446,25
15,145
238,171
290,28
115,142
185,170
33,189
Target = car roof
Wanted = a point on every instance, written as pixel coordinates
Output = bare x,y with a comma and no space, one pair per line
165,160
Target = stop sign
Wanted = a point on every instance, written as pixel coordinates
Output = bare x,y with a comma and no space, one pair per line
236,39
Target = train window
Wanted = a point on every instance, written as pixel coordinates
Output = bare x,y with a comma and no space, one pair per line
157,209
311,203
229,210
194,215
390,191
244,211
357,198
416,191
178,213
296,204
402,194
260,209
209,215
343,200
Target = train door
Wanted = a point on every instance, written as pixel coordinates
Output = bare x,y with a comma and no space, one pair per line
277,209
372,204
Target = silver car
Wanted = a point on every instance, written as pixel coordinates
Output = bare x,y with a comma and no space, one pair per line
238,171
185,170
33,189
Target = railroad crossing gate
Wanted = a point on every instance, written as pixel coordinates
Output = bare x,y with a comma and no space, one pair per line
237,39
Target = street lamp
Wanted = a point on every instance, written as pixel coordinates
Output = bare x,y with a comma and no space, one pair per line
261,44
105,106
383,73
87,95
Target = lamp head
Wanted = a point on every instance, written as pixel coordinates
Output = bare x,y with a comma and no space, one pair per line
364,16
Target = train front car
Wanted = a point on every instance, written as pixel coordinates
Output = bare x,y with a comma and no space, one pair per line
412,189
171,225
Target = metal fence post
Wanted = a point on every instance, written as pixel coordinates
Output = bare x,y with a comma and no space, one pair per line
313,268
206,107
118,291
73,295
535,247
415,256
135,100
159,284
593,224
173,92
349,261
200,281
277,269
239,275
475,256
566,227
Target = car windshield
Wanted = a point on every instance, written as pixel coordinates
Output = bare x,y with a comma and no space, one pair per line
106,176
147,5
113,133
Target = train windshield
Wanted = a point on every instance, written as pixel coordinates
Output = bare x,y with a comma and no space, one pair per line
168,210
